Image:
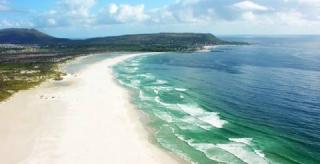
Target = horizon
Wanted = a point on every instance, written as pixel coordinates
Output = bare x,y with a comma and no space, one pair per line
166,32
92,18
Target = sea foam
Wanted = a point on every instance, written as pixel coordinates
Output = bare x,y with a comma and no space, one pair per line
246,141
180,89
143,97
169,106
146,76
160,82
239,150
194,122
211,151
164,116
242,152
211,118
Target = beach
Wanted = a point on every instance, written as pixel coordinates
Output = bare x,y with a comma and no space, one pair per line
85,118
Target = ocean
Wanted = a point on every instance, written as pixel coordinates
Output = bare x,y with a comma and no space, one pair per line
254,104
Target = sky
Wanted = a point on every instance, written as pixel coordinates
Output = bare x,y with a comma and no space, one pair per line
91,18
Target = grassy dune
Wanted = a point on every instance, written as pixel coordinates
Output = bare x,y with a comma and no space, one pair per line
15,77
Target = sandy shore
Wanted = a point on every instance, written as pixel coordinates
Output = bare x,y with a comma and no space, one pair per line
83,119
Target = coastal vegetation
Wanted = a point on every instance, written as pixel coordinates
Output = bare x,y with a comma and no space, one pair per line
15,77
28,56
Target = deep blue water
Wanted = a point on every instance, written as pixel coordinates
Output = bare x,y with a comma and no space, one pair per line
256,103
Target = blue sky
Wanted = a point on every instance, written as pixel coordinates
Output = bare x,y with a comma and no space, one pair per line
88,18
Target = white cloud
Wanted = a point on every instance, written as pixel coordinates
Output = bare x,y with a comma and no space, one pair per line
184,11
51,22
309,2
187,15
188,2
250,16
127,13
292,18
211,13
6,23
78,8
161,15
113,8
4,6
249,5
68,13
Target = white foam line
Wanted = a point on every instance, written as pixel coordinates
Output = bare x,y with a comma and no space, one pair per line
239,150
246,141
211,118
180,89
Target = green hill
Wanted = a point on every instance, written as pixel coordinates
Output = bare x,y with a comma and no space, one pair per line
138,42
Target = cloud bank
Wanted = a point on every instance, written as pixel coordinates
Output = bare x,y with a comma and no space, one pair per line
275,14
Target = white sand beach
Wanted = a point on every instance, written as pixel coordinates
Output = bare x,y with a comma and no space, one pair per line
83,119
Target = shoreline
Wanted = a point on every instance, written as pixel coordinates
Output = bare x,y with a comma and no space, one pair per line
207,48
82,119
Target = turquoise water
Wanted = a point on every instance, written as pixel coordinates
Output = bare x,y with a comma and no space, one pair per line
237,104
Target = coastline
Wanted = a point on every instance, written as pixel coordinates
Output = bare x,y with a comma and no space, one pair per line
207,48
85,118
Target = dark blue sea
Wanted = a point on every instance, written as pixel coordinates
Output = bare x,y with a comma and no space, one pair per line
257,103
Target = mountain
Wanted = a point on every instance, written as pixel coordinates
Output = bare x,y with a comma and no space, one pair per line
158,42
153,42
31,45
158,39
27,36
33,36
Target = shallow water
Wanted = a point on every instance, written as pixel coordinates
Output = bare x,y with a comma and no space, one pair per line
237,104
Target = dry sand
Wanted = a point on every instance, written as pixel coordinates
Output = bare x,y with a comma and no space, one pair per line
83,119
